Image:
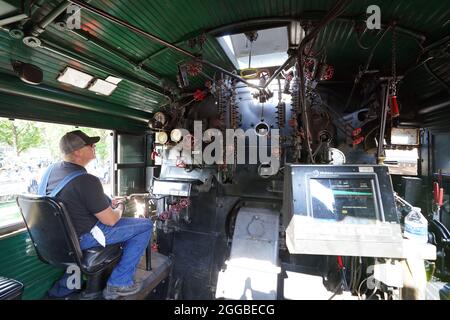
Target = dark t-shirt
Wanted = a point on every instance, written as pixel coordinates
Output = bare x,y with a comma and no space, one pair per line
83,197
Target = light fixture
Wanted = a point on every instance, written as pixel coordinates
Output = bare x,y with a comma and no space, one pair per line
102,87
28,73
296,34
74,77
113,79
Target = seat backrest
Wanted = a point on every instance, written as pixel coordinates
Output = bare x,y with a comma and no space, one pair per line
50,229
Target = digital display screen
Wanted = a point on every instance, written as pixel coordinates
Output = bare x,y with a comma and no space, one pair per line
343,198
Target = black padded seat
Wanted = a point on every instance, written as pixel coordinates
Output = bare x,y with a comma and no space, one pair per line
95,259
56,242
10,289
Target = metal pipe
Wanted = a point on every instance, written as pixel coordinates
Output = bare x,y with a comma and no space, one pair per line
154,38
364,71
219,31
437,43
330,16
277,72
443,121
384,110
326,19
402,30
424,51
439,129
408,32
410,124
414,67
230,74
250,24
11,85
437,116
127,25
52,15
436,77
435,107
222,30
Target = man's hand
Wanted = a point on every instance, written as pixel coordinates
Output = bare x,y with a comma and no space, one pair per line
116,201
119,208
112,214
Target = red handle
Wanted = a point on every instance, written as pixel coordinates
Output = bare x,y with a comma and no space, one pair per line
394,107
436,191
356,132
340,262
441,197
199,95
358,141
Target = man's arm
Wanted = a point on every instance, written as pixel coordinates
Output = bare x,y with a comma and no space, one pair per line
110,216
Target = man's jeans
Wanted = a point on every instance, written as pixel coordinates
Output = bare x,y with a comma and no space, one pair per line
135,235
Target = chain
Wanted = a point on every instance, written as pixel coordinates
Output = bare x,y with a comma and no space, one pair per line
281,107
394,62
235,124
233,107
295,97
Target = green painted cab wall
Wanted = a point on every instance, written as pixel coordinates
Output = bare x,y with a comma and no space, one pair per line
19,261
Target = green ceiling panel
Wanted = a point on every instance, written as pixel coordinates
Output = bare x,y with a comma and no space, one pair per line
176,21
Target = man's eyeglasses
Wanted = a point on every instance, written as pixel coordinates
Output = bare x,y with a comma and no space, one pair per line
92,145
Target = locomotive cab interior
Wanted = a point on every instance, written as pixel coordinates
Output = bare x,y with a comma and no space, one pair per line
283,150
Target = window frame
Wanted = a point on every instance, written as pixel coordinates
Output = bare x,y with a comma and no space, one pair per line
11,228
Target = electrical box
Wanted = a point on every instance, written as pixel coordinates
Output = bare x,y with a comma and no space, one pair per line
344,210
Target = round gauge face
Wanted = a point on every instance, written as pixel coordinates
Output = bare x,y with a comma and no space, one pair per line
161,137
176,135
160,117
337,156
262,129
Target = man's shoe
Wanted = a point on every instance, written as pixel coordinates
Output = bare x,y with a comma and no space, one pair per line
114,292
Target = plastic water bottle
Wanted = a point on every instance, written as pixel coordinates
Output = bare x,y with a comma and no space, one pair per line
416,226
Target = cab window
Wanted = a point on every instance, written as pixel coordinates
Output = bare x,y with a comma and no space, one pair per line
27,148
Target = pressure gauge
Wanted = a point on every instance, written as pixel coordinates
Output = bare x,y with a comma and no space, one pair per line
336,156
161,137
176,135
